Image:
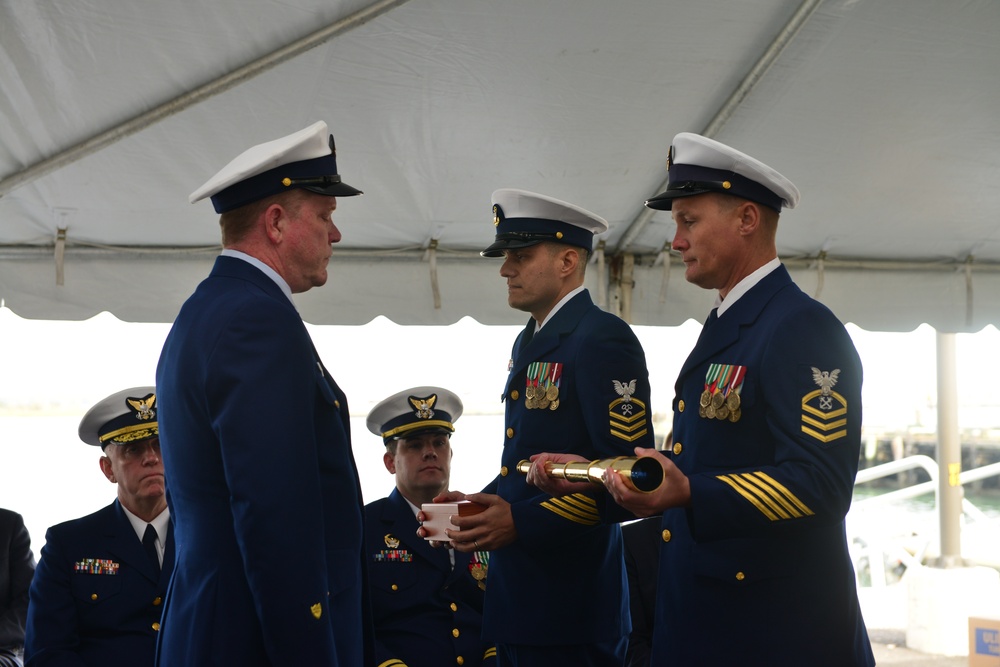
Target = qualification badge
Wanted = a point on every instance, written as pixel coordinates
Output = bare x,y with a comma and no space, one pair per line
824,411
721,396
541,385
393,554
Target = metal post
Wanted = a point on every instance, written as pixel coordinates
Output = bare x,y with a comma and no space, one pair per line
949,454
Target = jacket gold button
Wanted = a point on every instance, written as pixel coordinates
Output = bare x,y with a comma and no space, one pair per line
665,535
740,576
395,587
156,626
455,632
157,600
680,405
503,471
510,433
460,660
514,395
454,607
677,448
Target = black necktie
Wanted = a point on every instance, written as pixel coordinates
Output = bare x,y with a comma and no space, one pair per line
526,336
149,544
712,317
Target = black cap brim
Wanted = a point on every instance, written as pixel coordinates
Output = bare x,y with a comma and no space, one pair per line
497,248
333,190
664,200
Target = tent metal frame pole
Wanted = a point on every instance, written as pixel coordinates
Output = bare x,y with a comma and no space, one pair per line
728,108
949,454
204,92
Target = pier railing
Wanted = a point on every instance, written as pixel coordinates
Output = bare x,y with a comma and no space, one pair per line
878,550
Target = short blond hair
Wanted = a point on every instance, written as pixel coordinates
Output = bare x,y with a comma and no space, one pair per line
237,224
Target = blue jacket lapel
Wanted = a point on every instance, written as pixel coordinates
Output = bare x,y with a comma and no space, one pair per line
548,337
725,331
126,544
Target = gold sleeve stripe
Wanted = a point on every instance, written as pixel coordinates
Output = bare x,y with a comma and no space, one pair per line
827,414
824,426
756,503
626,428
836,435
641,414
786,497
491,652
392,662
576,507
771,498
629,427
629,438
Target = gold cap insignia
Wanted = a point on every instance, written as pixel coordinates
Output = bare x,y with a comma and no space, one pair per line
143,406
317,610
424,405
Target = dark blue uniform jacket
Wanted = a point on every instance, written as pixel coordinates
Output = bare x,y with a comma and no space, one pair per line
757,571
563,580
262,486
426,614
96,599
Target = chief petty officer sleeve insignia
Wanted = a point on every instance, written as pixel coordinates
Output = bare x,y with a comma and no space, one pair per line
824,411
627,414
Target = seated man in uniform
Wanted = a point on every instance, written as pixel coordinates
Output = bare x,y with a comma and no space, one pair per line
427,603
97,593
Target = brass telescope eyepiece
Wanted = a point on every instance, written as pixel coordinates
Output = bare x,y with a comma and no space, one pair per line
643,474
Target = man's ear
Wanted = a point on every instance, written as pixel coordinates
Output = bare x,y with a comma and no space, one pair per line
274,222
108,471
750,217
569,260
390,462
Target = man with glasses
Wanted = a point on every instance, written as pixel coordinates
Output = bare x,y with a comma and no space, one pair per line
98,589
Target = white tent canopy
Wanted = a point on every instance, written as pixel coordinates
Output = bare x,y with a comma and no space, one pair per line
885,114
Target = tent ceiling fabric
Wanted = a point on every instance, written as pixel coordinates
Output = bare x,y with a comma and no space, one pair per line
884,114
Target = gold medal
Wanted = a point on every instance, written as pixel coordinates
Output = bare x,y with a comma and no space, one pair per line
717,400
552,393
710,412
735,415
706,398
530,402
529,391
554,404
478,572
701,410
733,401
722,412
543,403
